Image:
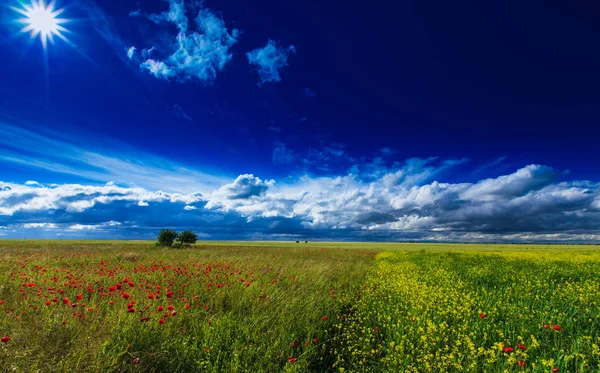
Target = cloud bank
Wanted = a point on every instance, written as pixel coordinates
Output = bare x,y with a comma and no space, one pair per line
405,204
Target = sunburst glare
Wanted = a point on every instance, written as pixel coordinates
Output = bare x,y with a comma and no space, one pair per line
41,19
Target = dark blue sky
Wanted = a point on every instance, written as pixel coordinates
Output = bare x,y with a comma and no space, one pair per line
298,91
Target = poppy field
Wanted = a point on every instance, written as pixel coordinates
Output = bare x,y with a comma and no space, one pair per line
273,307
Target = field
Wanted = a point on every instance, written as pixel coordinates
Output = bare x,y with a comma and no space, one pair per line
107,306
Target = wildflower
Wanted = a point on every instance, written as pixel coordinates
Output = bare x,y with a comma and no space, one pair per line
555,370
508,349
48,303
187,306
5,339
556,327
314,340
150,296
125,295
131,310
522,347
161,321
173,313
482,315
521,363
136,360
171,307
160,308
324,318
292,359
111,302
546,326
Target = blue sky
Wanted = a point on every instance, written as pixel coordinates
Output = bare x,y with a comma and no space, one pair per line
302,120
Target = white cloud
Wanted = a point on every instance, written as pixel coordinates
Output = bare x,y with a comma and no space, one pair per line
269,61
198,51
143,204
131,52
93,227
39,225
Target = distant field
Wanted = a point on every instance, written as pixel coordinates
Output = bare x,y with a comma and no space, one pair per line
312,244
127,306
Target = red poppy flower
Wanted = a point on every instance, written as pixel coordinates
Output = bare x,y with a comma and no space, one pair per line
521,363
161,321
173,313
555,370
131,310
546,326
160,308
48,303
111,302
314,340
30,285
482,315
522,347
136,361
324,317
125,295
187,306
66,300
556,327
170,307
150,296
5,339
508,349
291,359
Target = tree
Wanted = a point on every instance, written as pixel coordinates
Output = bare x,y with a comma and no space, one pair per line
186,238
166,237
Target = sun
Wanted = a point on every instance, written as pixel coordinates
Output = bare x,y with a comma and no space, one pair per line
41,19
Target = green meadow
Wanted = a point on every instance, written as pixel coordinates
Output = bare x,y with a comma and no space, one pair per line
128,306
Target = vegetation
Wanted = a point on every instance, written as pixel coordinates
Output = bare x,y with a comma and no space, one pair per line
166,237
101,306
186,238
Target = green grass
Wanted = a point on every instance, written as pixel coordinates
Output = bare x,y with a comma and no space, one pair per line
306,307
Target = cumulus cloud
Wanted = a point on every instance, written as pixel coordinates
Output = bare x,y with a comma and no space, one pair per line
405,202
243,187
199,50
269,61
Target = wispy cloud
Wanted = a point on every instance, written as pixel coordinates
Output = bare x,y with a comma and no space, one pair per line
309,93
282,155
269,61
56,153
198,51
179,112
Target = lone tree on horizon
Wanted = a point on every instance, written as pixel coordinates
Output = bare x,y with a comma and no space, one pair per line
166,237
186,238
